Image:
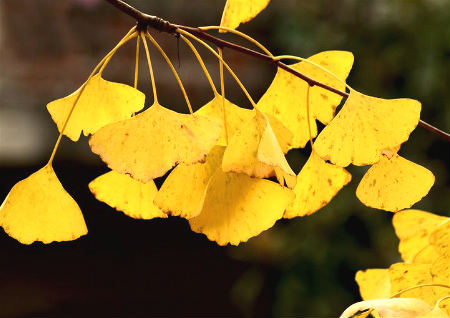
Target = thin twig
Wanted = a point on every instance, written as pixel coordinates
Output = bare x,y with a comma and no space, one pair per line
146,20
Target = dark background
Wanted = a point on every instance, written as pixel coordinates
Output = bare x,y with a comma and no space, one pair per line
301,267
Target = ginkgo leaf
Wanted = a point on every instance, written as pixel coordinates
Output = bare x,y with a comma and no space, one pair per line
440,238
237,207
102,102
149,144
236,117
374,283
183,192
241,11
392,308
317,183
404,276
255,151
39,209
125,194
285,98
413,228
394,184
365,127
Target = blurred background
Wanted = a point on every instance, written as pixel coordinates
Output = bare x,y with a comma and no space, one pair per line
301,267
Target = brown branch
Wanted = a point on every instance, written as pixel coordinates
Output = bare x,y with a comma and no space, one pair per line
145,20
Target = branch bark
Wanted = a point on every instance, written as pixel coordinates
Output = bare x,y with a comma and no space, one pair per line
145,20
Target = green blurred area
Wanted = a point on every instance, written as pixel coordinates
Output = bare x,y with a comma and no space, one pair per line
302,267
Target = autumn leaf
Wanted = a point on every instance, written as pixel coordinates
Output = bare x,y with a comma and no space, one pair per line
102,102
125,194
183,192
317,183
414,228
149,144
285,99
237,207
241,11
39,209
374,283
393,308
365,127
255,151
394,184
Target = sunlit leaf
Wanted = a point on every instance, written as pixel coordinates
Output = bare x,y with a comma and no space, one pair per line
126,194
394,184
374,283
317,183
285,99
241,11
392,308
255,151
236,117
413,228
39,209
365,127
238,207
102,102
149,144
183,192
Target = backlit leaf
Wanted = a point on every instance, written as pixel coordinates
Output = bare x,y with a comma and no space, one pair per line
237,207
39,209
365,127
374,283
285,99
102,102
183,192
392,308
317,183
394,184
413,228
255,151
149,144
125,194
241,11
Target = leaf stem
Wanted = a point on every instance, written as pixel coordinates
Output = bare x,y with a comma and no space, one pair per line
419,286
130,34
136,65
239,33
175,73
222,92
150,69
202,64
224,63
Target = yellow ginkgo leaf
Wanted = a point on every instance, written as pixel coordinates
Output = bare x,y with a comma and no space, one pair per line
236,117
125,194
317,183
365,127
404,276
374,283
394,184
413,228
183,192
285,99
392,308
149,144
241,11
237,207
440,238
39,209
102,102
255,151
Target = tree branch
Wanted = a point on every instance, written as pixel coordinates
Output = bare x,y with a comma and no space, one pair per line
145,20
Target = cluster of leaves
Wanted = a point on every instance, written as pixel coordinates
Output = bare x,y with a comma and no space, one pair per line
225,156
421,281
